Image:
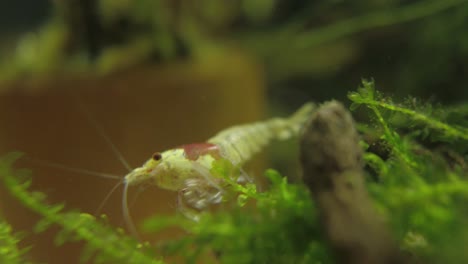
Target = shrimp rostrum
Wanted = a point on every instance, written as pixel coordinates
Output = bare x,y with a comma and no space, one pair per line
188,169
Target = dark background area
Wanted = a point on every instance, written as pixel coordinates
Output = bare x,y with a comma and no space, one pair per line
22,15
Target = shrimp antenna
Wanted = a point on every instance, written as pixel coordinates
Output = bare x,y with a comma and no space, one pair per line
102,133
98,210
134,199
128,219
72,169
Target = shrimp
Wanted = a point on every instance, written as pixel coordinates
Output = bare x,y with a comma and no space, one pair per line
188,168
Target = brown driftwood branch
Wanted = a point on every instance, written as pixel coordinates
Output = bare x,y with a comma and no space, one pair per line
333,170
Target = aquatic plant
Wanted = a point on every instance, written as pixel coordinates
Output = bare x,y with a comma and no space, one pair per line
105,36
416,177
103,242
420,181
9,251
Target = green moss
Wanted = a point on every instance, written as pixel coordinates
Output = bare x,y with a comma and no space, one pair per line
421,191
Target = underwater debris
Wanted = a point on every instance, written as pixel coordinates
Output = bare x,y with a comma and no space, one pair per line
333,170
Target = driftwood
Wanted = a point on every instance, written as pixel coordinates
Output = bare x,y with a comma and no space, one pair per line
333,170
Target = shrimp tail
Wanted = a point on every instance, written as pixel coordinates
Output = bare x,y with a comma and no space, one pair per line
240,143
292,126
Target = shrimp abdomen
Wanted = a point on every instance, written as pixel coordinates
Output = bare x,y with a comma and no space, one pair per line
240,143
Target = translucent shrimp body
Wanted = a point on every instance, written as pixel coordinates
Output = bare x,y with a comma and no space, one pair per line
172,168
239,143
188,168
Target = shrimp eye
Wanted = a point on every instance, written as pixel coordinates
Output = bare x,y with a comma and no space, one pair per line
157,156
